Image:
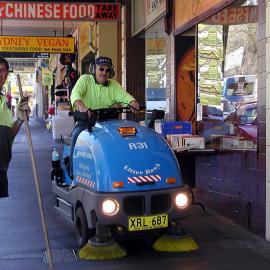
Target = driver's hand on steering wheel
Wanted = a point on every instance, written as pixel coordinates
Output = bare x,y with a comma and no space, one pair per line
134,106
84,109
81,107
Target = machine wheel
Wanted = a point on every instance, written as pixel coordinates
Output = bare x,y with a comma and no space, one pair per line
81,226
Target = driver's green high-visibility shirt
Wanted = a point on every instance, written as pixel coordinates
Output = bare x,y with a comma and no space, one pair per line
98,96
5,113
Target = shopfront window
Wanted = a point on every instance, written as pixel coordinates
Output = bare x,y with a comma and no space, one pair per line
227,77
155,69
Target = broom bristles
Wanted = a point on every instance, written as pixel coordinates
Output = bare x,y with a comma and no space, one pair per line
168,243
93,251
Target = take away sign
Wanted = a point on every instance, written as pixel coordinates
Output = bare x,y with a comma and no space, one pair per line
59,11
37,44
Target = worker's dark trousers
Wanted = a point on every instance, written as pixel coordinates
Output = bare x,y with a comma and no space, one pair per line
78,128
5,157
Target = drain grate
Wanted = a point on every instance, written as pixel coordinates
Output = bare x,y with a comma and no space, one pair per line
61,255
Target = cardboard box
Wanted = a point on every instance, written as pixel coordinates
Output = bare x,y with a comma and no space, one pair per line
195,141
229,142
175,140
186,141
245,144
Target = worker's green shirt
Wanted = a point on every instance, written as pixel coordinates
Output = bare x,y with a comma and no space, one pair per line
5,113
97,96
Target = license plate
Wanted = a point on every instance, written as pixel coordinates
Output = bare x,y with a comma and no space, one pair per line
147,222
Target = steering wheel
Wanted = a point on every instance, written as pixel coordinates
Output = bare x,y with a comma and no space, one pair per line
102,114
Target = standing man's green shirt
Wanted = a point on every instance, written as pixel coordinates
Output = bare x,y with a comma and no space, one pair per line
6,114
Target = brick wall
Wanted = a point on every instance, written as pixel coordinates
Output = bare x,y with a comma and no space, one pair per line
265,22
233,183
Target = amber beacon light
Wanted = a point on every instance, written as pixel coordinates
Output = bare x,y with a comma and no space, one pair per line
127,131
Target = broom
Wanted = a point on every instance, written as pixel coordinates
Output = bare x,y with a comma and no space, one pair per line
172,243
43,220
101,251
101,247
176,240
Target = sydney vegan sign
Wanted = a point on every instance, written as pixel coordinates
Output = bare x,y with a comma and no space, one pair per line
59,11
36,44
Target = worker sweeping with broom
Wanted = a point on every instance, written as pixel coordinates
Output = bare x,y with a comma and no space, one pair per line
8,128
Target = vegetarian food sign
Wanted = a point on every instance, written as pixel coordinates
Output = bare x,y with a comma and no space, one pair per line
36,44
59,11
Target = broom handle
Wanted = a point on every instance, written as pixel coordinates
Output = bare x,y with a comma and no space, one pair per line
43,220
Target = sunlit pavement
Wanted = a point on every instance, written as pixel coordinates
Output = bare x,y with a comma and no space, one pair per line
223,245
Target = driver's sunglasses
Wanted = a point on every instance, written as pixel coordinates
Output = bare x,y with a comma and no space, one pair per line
107,70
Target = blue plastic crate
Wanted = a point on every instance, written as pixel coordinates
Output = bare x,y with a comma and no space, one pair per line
176,127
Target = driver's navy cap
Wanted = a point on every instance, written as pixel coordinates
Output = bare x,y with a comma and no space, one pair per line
103,60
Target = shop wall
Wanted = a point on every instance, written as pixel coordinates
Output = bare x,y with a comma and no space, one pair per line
137,7
104,39
134,60
234,183
189,13
107,41
170,69
266,60
83,40
190,9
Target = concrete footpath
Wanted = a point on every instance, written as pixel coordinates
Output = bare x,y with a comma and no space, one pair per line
223,244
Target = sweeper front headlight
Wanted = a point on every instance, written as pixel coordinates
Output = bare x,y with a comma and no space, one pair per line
110,207
182,200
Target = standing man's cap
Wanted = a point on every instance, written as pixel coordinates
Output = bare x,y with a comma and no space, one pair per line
103,60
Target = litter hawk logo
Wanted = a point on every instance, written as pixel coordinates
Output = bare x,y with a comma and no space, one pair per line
59,11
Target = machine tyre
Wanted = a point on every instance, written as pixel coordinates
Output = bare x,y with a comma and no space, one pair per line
81,226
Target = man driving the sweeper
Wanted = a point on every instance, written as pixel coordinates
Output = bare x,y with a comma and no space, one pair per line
98,90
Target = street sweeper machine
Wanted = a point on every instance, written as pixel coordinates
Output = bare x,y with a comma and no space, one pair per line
125,183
